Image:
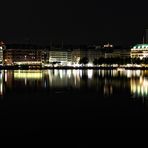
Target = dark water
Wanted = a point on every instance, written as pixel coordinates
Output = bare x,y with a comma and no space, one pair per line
33,102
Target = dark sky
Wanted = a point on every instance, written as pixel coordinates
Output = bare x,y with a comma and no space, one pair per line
73,21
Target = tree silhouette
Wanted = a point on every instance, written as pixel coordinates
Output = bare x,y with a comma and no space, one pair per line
84,61
95,62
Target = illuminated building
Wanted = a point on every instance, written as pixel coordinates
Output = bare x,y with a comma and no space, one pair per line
117,53
75,56
72,57
59,56
34,56
22,55
2,48
108,46
94,54
91,53
139,51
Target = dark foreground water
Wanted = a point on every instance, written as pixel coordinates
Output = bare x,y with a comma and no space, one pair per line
34,102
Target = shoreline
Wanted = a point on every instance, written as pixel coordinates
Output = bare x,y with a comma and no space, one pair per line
72,68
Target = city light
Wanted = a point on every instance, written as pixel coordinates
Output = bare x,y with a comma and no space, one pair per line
21,74
90,74
1,83
139,87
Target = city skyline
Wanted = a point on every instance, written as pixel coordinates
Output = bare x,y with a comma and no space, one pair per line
73,65
74,22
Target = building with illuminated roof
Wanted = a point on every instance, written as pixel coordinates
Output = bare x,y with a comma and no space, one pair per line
139,51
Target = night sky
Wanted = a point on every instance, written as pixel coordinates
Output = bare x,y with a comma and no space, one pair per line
73,21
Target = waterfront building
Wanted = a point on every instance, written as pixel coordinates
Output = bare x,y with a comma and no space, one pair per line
2,48
61,57
45,57
75,56
23,55
125,53
139,51
112,54
118,53
94,54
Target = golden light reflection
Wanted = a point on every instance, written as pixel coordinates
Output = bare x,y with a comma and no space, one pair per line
139,87
108,90
63,78
137,80
23,74
5,75
132,73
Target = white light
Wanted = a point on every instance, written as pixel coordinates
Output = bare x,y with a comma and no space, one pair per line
25,81
80,73
1,89
138,89
129,73
89,64
138,73
90,74
76,65
61,74
74,72
145,83
5,76
69,73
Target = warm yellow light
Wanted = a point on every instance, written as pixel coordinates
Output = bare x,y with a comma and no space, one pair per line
20,74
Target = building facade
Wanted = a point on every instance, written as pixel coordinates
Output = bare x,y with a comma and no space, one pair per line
23,56
139,51
60,56
2,48
36,56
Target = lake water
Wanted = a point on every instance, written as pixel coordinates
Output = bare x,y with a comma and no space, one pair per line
32,101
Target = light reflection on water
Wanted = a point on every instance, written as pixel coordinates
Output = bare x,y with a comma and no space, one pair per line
1,84
105,82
